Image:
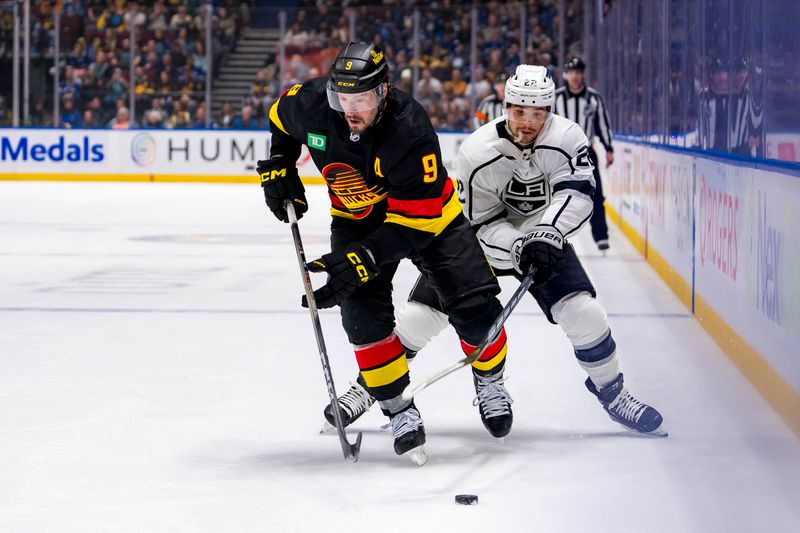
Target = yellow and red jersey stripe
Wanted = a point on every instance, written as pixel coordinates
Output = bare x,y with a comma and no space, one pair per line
383,364
492,357
431,215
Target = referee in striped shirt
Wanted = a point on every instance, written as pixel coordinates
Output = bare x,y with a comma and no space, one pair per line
585,106
491,107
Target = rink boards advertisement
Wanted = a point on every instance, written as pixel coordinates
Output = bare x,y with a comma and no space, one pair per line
152,155
722,227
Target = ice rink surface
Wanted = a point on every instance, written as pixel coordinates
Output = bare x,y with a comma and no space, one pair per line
158,374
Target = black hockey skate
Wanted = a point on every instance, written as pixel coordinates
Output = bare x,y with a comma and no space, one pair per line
352,404
409,434
624,409
494,403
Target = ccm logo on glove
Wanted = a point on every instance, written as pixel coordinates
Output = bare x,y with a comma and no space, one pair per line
361,270
273,174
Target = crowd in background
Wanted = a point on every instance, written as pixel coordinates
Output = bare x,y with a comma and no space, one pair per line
445,87
169,60
170,65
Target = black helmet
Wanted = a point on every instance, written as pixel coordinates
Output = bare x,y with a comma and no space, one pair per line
575,63
358,68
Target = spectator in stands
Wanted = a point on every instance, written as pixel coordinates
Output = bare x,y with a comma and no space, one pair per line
122,119
70,84
117,88
200,120
245,121
157,19
166,85
228,26
296,36
90,89
40,116
428,88
456,86
77,58
156,116
179,118
134,16
181,19
406,81
480,87
226,115
101,69
190,77
70,117
496,64
89,119
199,56
111,19
167,65
95,105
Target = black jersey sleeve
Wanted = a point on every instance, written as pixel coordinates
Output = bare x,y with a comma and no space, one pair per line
285,123
421,201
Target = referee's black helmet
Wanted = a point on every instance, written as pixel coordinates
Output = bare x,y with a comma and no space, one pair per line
575,63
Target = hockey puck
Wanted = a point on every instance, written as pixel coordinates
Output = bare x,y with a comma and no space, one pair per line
467,499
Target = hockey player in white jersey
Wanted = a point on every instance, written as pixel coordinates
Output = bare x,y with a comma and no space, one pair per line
526,184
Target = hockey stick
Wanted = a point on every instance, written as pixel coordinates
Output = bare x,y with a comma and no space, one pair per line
410,391
350,450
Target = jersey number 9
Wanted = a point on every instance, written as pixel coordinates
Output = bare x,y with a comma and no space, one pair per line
431,170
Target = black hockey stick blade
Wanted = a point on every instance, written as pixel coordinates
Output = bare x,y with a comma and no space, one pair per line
350,451
411,390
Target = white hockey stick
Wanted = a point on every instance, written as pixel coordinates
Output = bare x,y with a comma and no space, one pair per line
350,450
410,391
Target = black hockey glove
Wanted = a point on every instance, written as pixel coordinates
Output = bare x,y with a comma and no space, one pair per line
347,270
281,183
542,248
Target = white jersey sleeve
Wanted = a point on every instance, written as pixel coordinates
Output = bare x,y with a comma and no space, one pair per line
569,171
480,196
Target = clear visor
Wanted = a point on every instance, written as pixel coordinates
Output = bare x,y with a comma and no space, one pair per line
527,115
356,102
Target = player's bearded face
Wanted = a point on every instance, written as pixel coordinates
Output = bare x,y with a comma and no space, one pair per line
360,110
525,122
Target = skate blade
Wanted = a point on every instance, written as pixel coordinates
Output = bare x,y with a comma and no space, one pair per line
658,432
327,428
417,455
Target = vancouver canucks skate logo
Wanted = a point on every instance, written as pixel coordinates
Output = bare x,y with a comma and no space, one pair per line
527,196
349,192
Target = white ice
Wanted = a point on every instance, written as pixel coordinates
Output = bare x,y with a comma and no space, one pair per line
158,374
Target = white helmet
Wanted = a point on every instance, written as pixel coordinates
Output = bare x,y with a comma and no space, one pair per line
531,85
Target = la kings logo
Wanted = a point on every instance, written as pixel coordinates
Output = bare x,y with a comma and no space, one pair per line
527,196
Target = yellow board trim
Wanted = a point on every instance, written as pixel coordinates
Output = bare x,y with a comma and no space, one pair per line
769,383
430,225
493,362
172,178
387,374
274,118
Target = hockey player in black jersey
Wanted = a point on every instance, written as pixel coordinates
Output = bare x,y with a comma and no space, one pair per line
390,199
526,186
